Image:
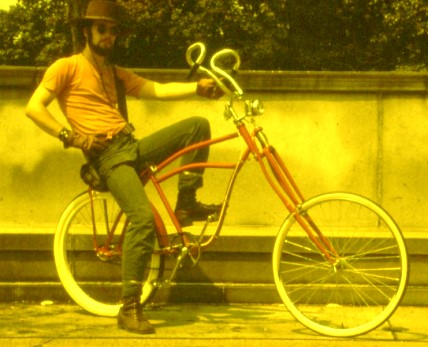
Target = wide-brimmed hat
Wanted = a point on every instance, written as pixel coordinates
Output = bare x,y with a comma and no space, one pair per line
102,10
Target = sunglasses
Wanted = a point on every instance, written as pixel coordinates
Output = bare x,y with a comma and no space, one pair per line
103,29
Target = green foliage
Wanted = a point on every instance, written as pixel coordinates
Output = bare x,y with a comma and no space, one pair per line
33,32
404,38
357,34
163,30
269,34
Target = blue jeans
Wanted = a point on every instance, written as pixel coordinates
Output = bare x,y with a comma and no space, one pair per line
119,165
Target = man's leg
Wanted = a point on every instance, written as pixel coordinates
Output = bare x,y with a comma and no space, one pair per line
125,186
161,144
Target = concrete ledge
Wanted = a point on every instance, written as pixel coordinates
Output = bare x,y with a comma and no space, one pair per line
266,81
216,293
236,269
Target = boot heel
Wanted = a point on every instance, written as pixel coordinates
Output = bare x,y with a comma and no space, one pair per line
131,318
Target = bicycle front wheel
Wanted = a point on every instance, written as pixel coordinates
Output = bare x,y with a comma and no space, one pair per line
361,286
92,281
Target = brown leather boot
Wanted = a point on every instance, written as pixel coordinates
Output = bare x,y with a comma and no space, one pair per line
131,317
197,212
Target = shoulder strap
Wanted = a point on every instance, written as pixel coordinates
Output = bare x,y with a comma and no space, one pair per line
121,95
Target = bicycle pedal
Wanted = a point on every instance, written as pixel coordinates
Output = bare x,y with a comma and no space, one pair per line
109,255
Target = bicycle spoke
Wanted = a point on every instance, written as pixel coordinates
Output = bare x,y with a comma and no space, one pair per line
87,251
365,281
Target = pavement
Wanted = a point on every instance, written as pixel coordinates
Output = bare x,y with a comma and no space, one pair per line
53,324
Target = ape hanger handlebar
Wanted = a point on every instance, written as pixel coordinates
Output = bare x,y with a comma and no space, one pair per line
223,79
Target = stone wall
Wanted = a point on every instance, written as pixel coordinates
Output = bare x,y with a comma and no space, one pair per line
359,132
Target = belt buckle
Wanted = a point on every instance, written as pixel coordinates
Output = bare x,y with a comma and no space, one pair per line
127,129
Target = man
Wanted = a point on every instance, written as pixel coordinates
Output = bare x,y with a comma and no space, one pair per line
85,86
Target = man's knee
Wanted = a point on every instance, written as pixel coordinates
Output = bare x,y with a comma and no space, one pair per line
203,126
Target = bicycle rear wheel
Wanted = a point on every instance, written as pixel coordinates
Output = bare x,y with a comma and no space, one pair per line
364,285
92,282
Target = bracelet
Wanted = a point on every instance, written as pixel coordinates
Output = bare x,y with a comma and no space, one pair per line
64,137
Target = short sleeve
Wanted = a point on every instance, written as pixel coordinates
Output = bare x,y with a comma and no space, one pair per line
57,76
133,83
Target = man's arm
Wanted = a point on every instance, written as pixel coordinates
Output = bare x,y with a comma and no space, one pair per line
167,91
37,111
175,90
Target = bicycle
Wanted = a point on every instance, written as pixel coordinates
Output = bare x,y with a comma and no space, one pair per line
340,262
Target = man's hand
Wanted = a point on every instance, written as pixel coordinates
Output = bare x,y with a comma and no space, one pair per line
208,88
79,141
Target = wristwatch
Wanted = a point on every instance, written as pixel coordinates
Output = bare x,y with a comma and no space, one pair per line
64,137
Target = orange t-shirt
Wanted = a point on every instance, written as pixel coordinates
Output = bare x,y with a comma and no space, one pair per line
88,101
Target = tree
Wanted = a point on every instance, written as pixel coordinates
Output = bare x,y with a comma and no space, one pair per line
288,35
358,34
404,36
269,34
163,30
33,32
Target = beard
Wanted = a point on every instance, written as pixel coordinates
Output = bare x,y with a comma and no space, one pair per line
98,49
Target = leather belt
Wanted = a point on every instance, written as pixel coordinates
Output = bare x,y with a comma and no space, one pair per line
128,129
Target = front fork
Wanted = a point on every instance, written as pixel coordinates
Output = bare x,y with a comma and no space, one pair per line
287,190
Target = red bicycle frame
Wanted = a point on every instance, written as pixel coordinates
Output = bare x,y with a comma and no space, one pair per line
275,172
278,177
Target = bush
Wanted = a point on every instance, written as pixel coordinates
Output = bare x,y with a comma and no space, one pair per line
270,35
